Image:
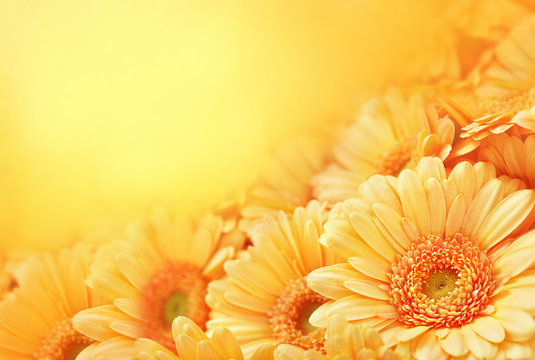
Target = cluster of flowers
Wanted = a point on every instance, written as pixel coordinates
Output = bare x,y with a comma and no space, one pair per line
410,234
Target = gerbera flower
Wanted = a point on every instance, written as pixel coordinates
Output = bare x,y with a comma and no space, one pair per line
264,298
509,68
514,115
344,341
440,263
193,344
285,181
390,133
161,272
37,316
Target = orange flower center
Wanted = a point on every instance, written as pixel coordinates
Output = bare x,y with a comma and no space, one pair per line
176,290
441,282
62,343
403,155
289,317
514,103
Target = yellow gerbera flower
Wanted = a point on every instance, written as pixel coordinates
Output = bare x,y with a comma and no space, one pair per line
264,298
37,317
285,181
161,272
344,342
440,263
498,97
509,68
390,133
193,344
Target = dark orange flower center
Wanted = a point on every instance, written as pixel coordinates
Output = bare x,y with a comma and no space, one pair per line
62,343
289,317
441,282
176,290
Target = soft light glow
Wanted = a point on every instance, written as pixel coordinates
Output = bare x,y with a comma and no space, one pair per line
109,107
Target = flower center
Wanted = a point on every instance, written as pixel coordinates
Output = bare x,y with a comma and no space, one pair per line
176,290
401,156
441,282
514,103
289,317
62,343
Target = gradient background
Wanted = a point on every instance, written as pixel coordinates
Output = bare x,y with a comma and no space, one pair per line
108,107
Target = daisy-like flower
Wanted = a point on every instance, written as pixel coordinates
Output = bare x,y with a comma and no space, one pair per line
285,182
161,272
37,316
510,67
439,263
499,96
193,344
483,117
264,298
390,133
344,341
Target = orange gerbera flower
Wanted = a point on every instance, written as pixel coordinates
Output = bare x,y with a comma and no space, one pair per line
389,134
499,95
439,263
37,316
160,272
264,298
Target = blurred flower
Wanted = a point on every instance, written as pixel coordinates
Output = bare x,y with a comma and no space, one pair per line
264,298
37,317
285,182
389,134
159,272
509,67
434,262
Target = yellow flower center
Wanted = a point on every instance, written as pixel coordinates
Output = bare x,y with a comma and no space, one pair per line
176,290
62,343
289,317
441,282
402,156
482,106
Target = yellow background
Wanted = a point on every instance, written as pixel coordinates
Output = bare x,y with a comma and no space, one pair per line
108,107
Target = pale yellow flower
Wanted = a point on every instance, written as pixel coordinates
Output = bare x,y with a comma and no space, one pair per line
264,298
439,263
193,344
285,181
390,133
344,342
37,316
159,273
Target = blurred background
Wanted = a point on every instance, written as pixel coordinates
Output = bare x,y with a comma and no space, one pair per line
109,107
